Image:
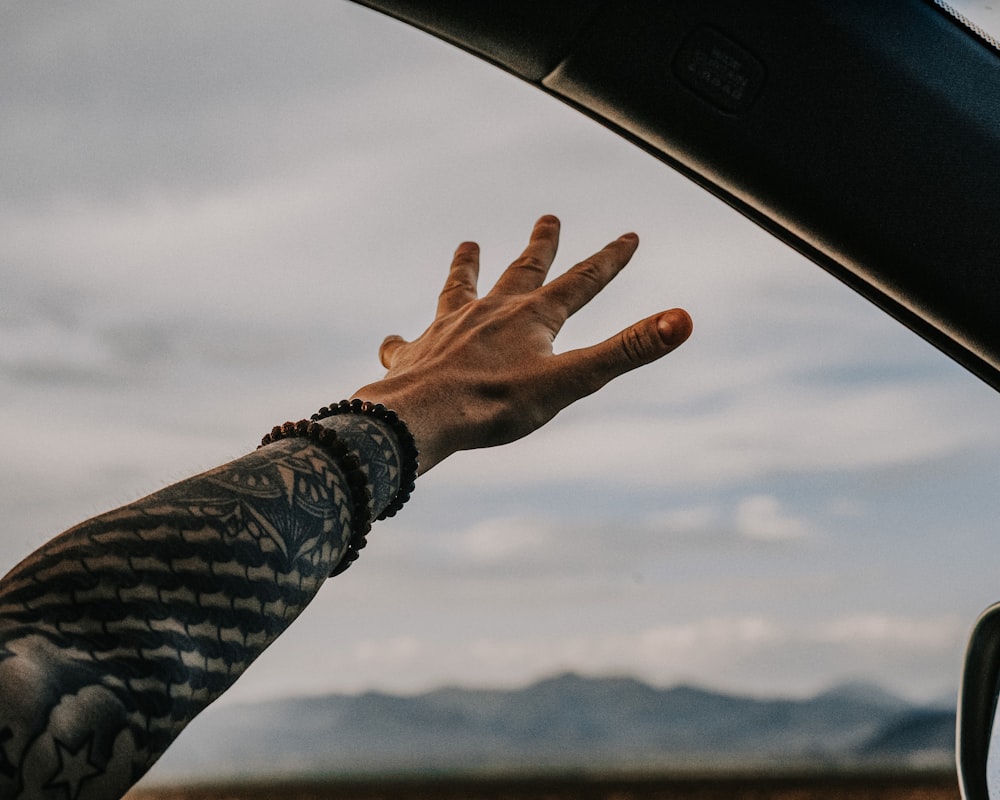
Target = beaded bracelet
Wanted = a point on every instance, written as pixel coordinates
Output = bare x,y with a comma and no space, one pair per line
409,459
353,474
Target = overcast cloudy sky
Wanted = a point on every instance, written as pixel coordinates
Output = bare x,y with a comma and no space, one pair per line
211,214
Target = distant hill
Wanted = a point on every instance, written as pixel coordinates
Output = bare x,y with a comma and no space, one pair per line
565,723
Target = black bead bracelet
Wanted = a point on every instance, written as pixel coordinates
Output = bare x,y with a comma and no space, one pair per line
409,457
355,476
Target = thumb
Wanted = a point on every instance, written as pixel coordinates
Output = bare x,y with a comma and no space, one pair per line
637,345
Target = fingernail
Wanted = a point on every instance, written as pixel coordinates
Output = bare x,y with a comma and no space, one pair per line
674,326
634,237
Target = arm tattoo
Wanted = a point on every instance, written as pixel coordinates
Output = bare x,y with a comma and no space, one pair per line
114,635
378,450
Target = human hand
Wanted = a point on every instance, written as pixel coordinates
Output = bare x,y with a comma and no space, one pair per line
484,372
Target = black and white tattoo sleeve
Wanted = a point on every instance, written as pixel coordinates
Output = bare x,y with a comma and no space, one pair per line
114,635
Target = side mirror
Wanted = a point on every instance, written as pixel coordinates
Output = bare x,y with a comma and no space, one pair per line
978,735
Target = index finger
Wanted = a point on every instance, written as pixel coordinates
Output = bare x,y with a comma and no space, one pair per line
576,287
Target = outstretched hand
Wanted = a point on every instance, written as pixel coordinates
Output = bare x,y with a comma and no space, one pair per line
484,372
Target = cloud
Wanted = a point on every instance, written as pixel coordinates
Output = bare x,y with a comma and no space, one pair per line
502,540
757,517
547,545
863,630
60,353
761,517
406,652
698,520
767,428
728,652
112,99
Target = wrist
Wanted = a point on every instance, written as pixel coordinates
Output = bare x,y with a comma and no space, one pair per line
375,454
385,447
421,413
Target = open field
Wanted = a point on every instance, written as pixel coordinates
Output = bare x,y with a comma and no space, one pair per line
919,786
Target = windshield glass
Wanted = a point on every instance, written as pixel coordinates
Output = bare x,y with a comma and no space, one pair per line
209,222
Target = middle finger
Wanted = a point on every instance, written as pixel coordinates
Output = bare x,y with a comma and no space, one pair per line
528,272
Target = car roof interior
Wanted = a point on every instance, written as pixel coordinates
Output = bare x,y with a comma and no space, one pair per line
864,135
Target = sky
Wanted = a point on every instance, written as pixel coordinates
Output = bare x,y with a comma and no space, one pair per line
212,213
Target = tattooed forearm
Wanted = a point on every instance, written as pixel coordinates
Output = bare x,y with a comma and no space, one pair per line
117,633
378,450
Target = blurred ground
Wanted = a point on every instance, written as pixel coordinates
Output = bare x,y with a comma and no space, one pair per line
913,786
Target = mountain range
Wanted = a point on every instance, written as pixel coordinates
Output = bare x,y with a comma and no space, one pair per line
566,723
